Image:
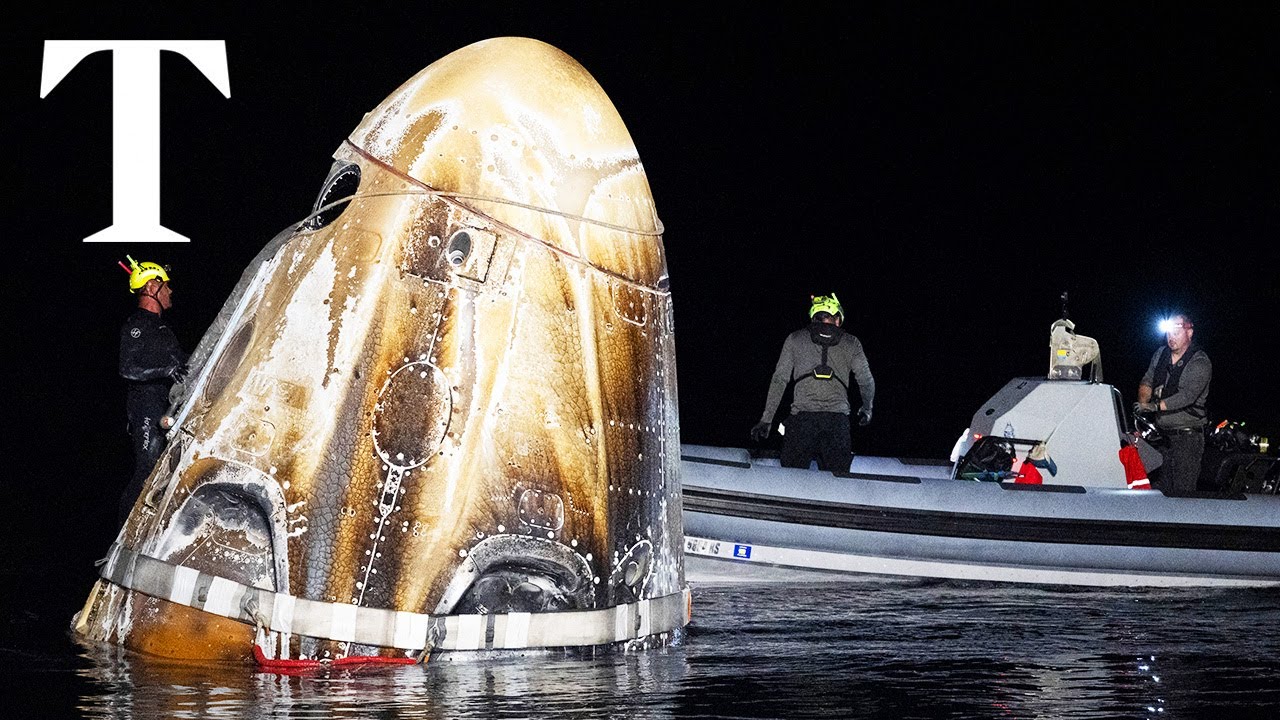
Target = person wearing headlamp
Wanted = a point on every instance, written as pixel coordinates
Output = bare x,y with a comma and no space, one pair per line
1173,392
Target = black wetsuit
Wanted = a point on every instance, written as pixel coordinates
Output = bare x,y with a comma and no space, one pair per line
149,357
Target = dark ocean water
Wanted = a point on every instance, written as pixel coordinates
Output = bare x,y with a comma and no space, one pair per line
877,648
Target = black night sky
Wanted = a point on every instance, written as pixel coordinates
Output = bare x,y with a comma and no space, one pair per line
948,169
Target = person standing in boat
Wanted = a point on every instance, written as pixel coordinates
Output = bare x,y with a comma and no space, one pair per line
821,359
1173,392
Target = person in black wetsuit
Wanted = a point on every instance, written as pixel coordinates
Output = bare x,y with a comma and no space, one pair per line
151,361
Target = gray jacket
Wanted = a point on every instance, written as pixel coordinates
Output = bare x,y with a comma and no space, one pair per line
800,355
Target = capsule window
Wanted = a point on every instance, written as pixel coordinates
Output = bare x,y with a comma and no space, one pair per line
458,250
339,187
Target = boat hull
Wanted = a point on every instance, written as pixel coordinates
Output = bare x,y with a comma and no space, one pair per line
749,520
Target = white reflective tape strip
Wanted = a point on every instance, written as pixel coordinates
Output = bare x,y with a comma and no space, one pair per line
311,617
391,628
645,616
282,613
470,635
410,630
220,599
516,633
124,568
375,626
621,622
183,587
342,622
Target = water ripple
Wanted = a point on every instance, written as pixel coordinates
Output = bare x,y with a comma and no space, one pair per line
883,649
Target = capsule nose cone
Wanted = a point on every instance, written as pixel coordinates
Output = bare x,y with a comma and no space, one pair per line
513,122
520,131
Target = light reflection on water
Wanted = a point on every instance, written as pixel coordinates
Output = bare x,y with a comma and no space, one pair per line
880,648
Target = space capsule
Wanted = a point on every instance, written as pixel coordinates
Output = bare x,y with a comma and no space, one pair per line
439,413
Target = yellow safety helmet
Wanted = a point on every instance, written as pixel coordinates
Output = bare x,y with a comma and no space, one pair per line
829,304
141,273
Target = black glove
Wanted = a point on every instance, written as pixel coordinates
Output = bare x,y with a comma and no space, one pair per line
179,373
1139,407
864,415
760,431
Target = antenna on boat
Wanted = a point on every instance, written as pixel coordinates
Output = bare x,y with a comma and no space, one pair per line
1065,314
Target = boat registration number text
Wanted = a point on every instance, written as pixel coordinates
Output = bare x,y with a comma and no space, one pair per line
703,546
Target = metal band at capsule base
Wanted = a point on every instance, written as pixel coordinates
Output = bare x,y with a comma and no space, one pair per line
382,627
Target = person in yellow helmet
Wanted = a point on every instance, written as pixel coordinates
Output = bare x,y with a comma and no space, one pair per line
821,360
151,361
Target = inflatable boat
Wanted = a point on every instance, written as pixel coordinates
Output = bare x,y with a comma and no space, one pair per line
1085,519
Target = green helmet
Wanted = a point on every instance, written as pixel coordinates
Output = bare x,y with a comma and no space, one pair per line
829,304
141,273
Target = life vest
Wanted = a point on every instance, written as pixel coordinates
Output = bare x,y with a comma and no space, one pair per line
1168,374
